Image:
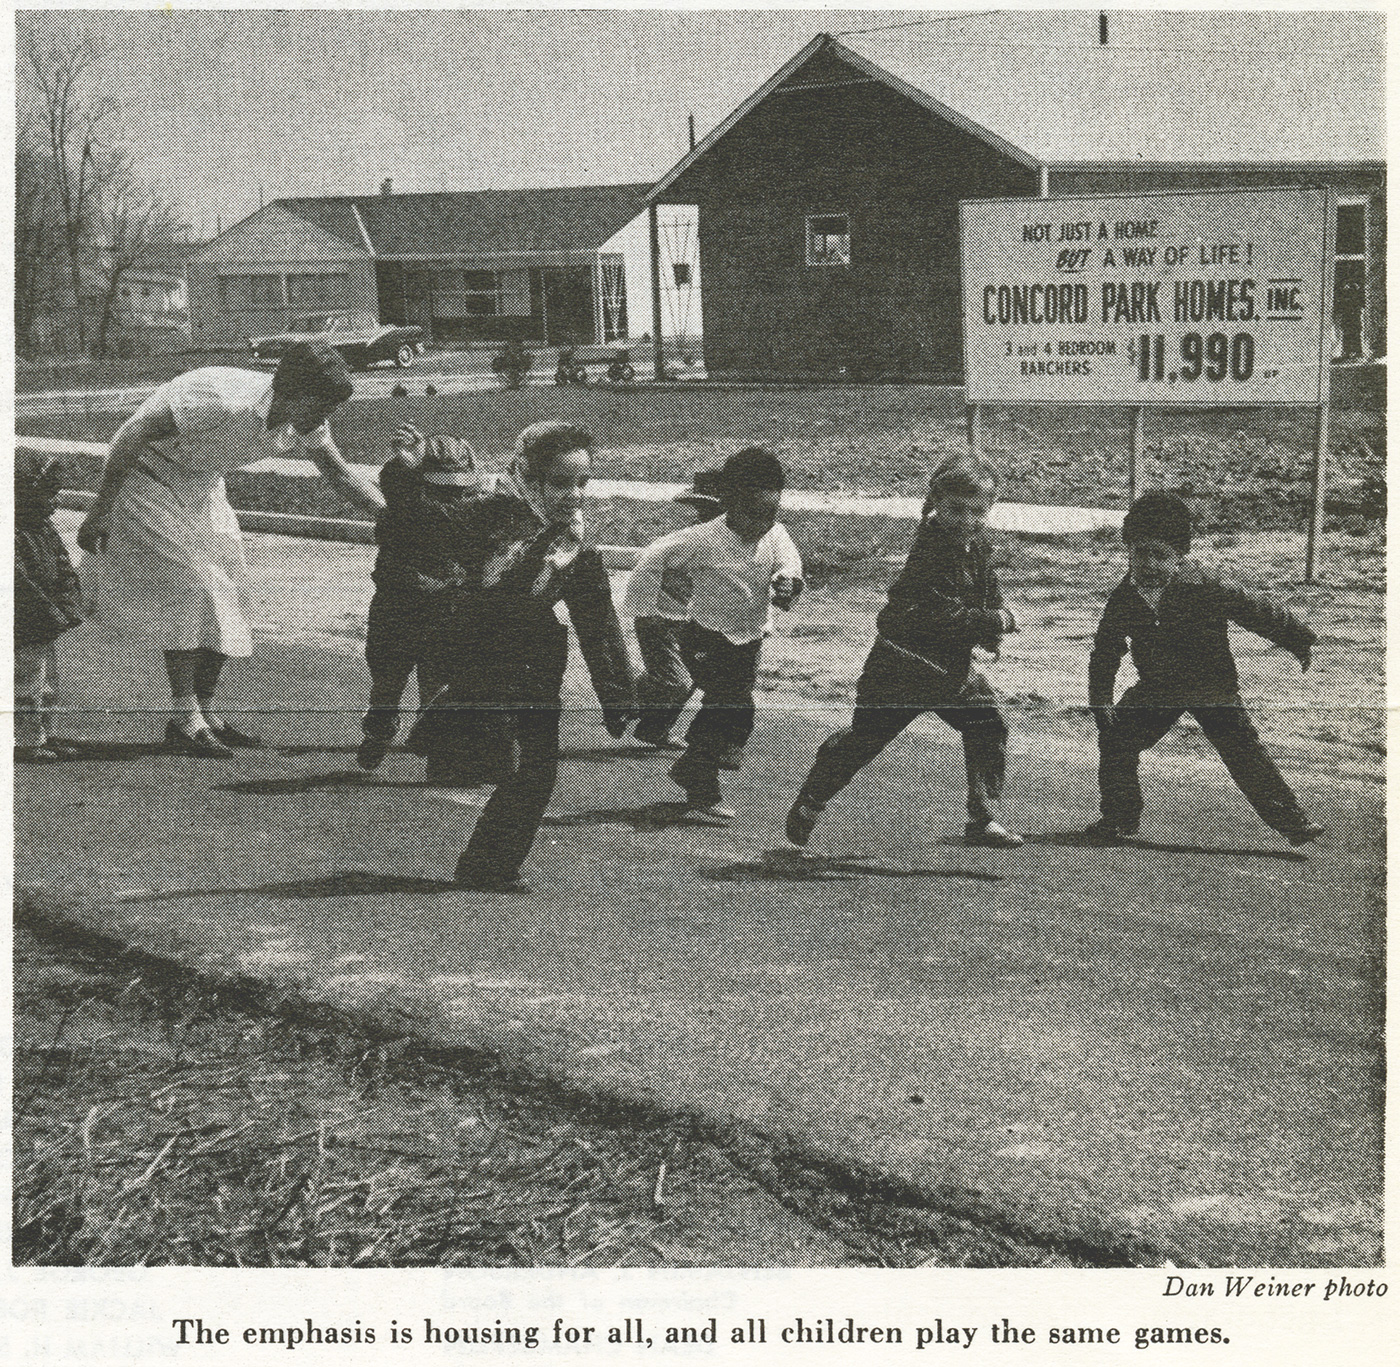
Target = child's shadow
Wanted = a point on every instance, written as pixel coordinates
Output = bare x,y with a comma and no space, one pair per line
1077,840
601,755
111,750
349,883
306,783
789,866
656,816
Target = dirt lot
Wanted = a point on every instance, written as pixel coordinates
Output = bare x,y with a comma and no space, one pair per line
1164,1050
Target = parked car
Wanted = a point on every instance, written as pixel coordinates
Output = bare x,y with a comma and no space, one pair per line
359,337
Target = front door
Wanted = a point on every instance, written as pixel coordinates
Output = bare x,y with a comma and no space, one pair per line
568,306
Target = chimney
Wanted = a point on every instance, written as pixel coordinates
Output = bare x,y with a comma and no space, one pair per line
386,186
1103,28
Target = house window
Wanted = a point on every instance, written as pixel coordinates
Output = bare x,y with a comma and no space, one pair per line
828,240
514,294
252,292
324,291
681,270
1349,280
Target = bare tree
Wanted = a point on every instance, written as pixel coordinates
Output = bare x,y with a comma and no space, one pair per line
38,250
131,221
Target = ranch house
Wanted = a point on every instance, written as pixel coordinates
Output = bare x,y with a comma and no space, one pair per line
548,267
828,200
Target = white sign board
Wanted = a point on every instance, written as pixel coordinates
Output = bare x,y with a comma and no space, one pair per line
1214,299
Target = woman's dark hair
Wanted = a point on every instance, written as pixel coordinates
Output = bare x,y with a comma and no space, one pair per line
313,370
539,444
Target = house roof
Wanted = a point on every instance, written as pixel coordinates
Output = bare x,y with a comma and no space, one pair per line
1083,105
476,222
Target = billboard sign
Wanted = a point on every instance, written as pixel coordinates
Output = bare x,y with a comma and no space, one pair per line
1216,298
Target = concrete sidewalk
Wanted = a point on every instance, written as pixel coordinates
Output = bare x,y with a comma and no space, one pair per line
1026,518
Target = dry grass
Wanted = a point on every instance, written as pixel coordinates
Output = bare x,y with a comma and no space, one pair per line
157,1123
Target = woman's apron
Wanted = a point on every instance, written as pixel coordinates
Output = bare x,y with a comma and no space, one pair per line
174,570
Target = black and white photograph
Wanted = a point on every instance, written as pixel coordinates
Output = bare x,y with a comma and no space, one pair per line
686,639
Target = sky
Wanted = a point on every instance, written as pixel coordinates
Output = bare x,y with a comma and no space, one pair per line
227,108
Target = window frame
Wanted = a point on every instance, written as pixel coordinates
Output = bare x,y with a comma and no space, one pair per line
808,238
1359,259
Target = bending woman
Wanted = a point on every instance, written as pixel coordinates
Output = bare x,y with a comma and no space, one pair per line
170,561
502,650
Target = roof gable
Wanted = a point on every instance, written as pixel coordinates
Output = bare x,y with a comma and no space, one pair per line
1082,104
277,234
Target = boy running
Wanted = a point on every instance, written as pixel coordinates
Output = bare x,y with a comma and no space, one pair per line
725,575
945,601
1176,619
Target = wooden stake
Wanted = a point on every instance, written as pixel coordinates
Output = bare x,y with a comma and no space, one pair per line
1316,523
974,428
658,359
1135,455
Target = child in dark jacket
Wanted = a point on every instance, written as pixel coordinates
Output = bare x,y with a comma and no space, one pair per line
48,602
422,483
501,649
945,602
1176,618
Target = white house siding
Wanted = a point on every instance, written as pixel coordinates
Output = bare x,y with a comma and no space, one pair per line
679,242
272,248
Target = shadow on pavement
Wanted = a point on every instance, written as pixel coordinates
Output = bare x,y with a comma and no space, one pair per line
305,783
1077,840
653,817
789,866
351,883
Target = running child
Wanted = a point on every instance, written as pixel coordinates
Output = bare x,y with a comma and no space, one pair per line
48,602
500,647
727,575
1176,620
945,602
422,483
666,686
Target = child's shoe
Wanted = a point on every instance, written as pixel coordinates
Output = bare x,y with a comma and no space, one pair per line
371,753
708,813
1306,833
802,818
990,834
1106,832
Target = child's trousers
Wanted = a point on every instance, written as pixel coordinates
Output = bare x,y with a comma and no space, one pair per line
511,819
884,709
1144,716
666,686
35,668
725,674
394,636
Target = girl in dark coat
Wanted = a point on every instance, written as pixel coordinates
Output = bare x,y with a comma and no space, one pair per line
502,649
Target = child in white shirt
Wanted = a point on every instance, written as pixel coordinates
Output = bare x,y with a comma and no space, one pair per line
724,577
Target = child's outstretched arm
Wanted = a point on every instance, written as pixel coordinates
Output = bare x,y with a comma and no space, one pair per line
1264,618
601,641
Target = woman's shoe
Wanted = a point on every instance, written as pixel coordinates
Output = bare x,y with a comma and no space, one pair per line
233,737
201,742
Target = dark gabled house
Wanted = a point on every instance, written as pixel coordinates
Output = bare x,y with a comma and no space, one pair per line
828,200
545,266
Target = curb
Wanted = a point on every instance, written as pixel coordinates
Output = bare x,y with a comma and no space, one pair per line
1097,1244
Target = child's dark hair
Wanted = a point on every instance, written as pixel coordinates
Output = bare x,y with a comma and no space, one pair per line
1159,516
539,444
966,475
755,467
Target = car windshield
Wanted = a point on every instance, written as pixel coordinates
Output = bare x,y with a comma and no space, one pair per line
318,322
